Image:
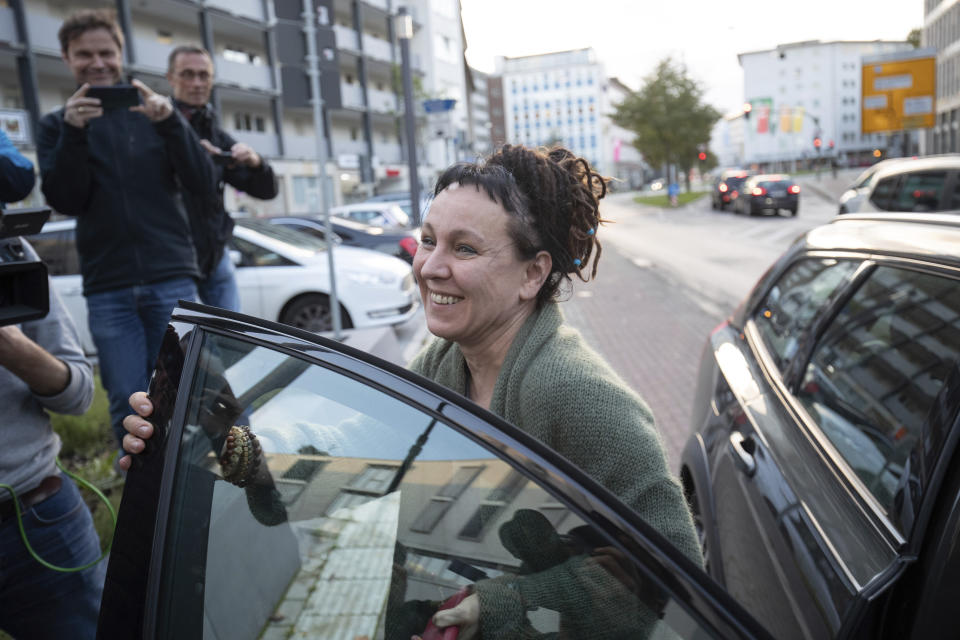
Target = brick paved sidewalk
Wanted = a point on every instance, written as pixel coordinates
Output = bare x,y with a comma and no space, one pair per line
652,333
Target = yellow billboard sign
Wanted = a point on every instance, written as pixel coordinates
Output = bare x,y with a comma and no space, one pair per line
898,91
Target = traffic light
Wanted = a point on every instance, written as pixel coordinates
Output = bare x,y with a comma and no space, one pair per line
747,108
817,142
830,144
702,156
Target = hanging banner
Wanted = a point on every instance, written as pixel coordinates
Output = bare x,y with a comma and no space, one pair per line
798,113
786,119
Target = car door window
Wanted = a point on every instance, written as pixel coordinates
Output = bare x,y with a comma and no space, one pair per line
874,375
256,256
919,191
883,192
789,308
359,514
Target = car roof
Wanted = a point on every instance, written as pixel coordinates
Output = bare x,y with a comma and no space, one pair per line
905,165
934,237
771,177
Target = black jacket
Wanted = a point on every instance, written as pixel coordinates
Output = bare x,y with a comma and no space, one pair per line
122,177
209,220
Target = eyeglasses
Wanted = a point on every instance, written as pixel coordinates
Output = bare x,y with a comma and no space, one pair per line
190,74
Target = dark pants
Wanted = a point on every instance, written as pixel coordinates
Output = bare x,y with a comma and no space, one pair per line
39,603
127,326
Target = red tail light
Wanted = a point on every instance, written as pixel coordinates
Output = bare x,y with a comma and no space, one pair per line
735,194
723,187
759,191
794,188
409,245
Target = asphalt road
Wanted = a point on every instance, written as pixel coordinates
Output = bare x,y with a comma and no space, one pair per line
666,278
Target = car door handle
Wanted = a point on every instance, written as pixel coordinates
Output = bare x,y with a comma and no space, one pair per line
742,448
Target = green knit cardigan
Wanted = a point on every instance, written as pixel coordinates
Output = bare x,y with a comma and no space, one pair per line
557,389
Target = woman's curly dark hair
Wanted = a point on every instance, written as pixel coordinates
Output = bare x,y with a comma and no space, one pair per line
553,197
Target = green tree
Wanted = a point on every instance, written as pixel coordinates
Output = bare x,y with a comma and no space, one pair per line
668,117
914,38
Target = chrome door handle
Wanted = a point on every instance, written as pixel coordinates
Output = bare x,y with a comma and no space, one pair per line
742,448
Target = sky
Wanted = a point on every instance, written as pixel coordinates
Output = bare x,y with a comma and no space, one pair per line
631,36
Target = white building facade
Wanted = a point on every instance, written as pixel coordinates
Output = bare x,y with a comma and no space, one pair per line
941,30
620,159
555,98
807,90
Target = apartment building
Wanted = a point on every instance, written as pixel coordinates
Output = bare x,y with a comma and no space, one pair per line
802,90
261,86
621,160
941,31
478,113
555,97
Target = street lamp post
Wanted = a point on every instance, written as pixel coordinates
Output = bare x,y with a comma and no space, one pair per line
403,24
313,70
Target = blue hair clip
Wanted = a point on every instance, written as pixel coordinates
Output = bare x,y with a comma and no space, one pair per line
591,232
576,261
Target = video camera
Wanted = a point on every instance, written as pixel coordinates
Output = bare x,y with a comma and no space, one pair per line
24,288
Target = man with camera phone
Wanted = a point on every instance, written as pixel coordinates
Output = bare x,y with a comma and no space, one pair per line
42,367
190,73
120,171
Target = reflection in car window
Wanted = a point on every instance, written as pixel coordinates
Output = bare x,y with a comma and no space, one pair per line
876,372
883,192
791,305
257,256
283,234
919,191
359,515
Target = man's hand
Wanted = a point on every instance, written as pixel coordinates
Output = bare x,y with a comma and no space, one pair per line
245,155
80,109
45,374
155,106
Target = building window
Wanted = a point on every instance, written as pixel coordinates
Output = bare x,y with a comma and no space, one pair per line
508,489
164,37
444,499
236,54
370,483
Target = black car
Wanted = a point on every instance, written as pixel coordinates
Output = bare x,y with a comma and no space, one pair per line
727,186
380,495
395,241
824,469
768,192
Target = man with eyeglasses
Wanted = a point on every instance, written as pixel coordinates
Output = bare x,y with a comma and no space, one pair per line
190,73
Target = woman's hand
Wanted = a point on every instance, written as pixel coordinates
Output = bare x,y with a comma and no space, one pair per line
137,428
465,615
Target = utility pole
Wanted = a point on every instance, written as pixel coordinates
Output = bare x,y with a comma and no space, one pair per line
313,70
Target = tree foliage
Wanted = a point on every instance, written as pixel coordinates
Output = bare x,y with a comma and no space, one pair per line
669,117
914,37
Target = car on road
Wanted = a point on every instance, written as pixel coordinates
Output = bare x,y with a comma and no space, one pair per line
823,468
400,242
726,187
852,199
402,200
379,214
931,183
768,192
282,274
379,495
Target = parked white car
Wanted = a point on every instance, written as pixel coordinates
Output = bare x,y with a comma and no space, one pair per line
378,214
916,185
283,275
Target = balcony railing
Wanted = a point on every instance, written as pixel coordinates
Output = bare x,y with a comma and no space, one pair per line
379,4
152,54
255,76
252,9
8,27
351,95
383,101
263,143
388,153
346,37
43,30
377,48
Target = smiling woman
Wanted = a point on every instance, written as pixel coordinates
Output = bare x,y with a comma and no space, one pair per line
499,241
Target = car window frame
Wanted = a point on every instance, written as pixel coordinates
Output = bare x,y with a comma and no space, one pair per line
786,387
700,596
897,178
